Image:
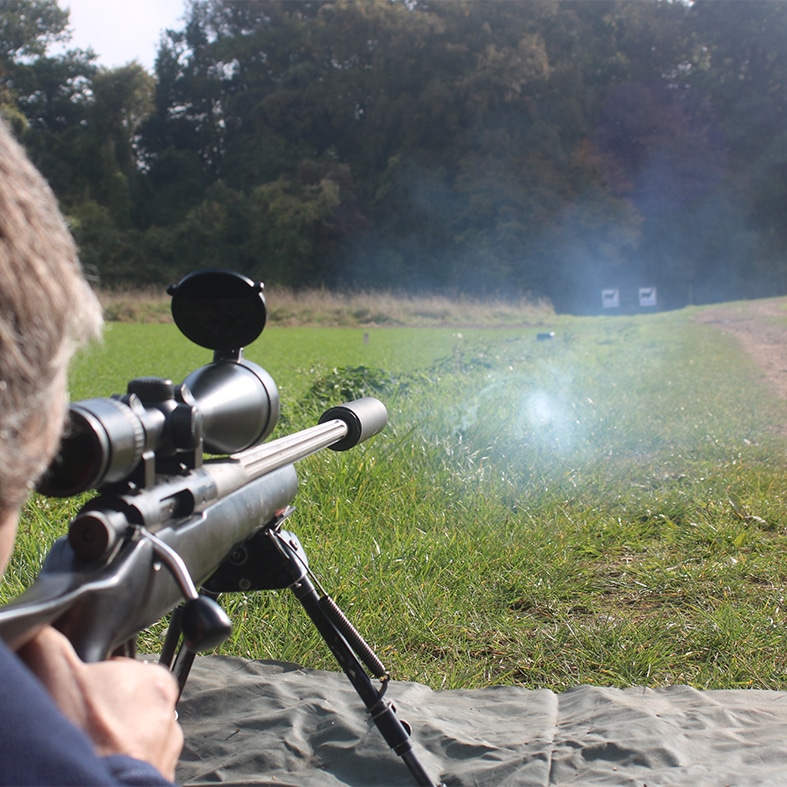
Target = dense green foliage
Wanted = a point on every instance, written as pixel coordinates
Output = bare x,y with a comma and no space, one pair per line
550,146
606,507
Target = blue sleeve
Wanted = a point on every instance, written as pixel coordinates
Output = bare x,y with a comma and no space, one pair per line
134,773
39,746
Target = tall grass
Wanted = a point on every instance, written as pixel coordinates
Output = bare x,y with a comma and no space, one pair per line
288,307
607,506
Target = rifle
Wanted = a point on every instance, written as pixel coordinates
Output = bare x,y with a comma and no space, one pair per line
170,530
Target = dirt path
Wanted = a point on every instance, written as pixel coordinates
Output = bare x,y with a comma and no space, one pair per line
761,328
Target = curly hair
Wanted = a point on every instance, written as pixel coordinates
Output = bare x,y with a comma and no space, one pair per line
47,310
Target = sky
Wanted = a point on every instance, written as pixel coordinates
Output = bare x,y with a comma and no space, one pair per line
122,30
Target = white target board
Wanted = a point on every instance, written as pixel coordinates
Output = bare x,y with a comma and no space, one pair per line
647,296
610,299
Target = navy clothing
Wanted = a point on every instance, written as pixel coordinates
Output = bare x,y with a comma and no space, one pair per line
39,746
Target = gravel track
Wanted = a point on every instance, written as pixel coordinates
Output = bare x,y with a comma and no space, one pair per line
761,328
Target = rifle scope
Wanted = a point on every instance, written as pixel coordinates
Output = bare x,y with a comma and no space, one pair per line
224,407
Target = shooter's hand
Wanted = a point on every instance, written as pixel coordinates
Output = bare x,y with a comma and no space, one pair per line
124,706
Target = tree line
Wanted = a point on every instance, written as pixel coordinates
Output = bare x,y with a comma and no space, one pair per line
549,147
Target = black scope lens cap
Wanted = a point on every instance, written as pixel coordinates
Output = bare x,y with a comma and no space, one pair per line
218,309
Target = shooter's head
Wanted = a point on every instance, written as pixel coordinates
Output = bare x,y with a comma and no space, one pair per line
47,310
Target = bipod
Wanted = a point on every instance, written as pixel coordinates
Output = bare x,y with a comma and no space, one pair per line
274,559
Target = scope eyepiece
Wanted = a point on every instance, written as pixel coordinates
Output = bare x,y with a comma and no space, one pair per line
103,442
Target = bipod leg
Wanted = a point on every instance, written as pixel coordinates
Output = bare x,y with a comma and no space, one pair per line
175,656
338,633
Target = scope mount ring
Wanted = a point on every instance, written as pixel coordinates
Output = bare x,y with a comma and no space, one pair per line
219,309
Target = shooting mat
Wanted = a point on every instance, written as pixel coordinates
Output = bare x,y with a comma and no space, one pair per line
272,723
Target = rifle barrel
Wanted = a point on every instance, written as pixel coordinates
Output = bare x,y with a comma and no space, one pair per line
270,456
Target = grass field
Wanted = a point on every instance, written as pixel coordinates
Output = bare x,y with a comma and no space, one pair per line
606,507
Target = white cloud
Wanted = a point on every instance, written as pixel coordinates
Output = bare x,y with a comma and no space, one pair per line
119,32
